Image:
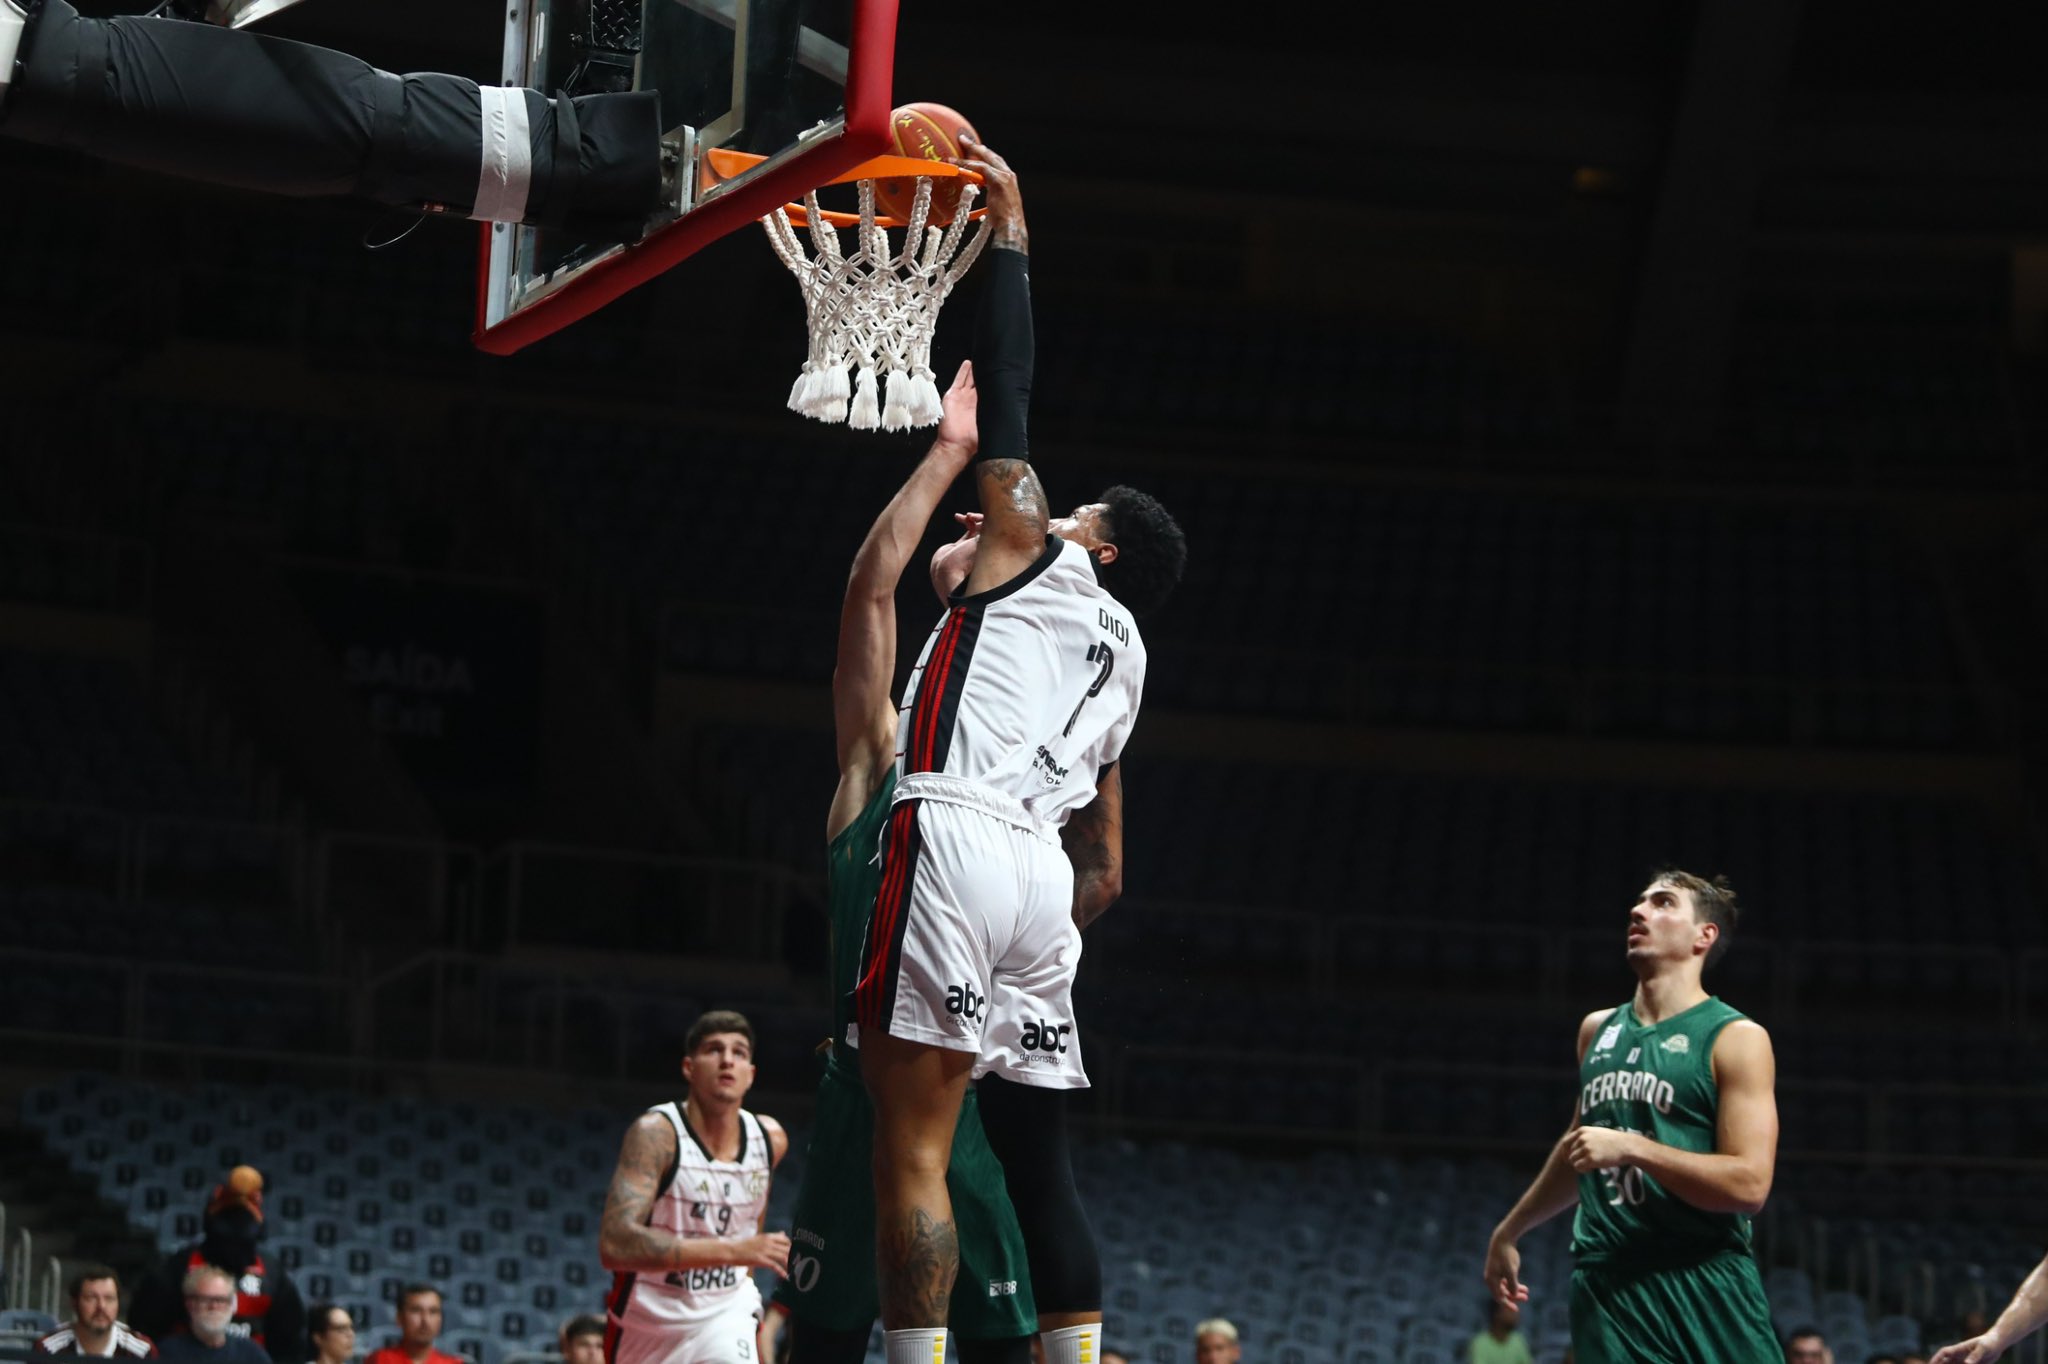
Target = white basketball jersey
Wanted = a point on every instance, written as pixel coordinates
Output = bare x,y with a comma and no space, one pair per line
1030,688
704,1197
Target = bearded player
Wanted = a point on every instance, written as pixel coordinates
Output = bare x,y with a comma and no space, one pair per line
681,1231
1669,1154
1014,719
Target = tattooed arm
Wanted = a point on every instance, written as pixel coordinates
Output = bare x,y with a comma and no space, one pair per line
625,1241
1094,839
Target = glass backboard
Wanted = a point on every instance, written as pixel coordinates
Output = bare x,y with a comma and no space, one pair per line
804,84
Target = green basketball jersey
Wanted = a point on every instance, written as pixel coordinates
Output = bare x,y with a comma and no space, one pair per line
1659,1081
853,875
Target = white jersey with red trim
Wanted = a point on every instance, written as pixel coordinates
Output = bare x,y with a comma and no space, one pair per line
704,1197
1030,688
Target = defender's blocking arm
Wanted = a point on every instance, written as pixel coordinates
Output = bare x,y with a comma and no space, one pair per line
626,1243
863,715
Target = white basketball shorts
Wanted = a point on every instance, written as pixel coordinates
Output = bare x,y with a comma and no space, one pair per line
972,944
724,1337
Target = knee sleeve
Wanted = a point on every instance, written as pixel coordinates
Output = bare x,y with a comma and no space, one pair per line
1027,1129
244,109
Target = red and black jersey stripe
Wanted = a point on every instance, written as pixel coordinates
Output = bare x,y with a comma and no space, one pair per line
615,1312
874,998
937,707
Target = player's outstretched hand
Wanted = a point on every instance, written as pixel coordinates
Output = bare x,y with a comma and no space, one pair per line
1005,200
959,425
1977,1350
952,563
769,1250
1504,1273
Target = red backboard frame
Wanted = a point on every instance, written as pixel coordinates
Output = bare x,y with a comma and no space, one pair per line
870,80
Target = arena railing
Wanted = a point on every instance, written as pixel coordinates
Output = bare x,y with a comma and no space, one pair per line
551,895
423,883
144,846
1116,1068
90,572
1317,952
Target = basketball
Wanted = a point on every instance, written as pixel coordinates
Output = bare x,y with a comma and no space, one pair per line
931,132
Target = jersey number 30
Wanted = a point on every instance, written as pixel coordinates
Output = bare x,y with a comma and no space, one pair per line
1624,1186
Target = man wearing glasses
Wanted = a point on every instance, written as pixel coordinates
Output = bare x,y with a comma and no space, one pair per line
209,1312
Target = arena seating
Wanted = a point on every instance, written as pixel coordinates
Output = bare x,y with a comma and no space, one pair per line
1881,401
308,483
1909,870
116,845
1373,1262
78,730
1435,608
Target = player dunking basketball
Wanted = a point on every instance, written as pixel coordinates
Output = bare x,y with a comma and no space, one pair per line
1020,703
1670,1151
682,1223
830,1292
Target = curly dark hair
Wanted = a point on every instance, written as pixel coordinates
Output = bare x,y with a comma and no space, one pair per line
1151,551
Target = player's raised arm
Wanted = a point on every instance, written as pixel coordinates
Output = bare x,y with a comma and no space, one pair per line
1094,839
1013,503
863,715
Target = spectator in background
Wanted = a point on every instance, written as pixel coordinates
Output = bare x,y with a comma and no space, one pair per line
1882,1359
419,1326
583,1340
1216,1342
1500,1342
1913,1357
209,1336
1112,1355
268,1309
1808,1346
95,1328
332,1332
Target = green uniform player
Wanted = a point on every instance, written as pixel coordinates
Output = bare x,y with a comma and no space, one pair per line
831,1280
1671,1148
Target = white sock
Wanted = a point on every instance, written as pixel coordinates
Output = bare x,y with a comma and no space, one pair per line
918,1345
1072,1344
12,22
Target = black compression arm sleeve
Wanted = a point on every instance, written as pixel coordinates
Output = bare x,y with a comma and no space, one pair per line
1003,346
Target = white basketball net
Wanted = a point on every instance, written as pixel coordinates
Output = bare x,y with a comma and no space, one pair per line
872,312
